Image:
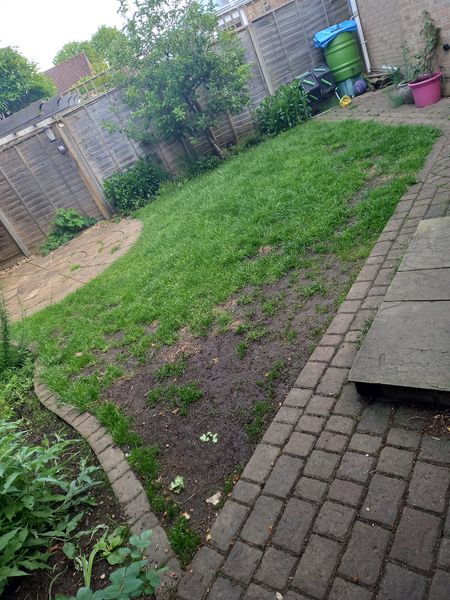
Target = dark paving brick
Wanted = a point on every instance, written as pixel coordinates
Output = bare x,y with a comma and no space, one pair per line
223,589
447,523
288,414
444,554
435,450
383,500
349,402
256,592
321,465
320,405
403,438
258,526
310,424
284,476
333,442
228,524
428,487
410,417
203,569
300,444
294,525
261,463
317,566
294,596
277,434
400,584
365,552
345,355
356,467
416,538
395,461
344,590
311,374
242,562
369,444
375,419
332,381
312,489
298,398
334,520
339,424
346,492
440,586
275,569
245,492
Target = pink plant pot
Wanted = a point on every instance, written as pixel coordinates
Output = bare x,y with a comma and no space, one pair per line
427,90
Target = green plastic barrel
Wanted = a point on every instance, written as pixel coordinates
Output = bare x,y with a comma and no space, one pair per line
343,58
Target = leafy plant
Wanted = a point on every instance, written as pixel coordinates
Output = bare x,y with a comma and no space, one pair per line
67,223
134,187
132,581
177,485
209,437
241,350
424,61
203,164
36,500
285,109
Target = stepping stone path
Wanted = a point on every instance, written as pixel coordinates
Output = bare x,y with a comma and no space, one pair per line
40,281
344,499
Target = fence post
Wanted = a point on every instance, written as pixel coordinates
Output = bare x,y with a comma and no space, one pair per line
15,236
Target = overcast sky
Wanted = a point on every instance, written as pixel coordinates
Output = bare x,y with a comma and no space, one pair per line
39,28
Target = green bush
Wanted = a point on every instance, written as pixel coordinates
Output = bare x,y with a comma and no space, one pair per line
130,189
285,109
38,500
67,224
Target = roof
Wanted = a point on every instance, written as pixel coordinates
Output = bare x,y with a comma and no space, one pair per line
68,73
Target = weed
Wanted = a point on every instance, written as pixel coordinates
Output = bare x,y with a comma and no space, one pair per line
241,350
243,327
183,540
114,249
261,411
74,267
247,298
172,369
364,331
322,309
144,460
290,335
179,396
67,223
313,289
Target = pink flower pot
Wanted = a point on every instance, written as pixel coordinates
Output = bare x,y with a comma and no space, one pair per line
427,90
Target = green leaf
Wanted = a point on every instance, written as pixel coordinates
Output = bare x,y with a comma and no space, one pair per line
69,550
4,539
116,557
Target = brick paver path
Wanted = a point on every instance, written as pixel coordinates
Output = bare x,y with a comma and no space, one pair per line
343,499
44,280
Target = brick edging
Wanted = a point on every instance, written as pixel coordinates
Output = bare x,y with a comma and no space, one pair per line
126,486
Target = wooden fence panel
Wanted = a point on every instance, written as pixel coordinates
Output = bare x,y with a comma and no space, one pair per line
9,250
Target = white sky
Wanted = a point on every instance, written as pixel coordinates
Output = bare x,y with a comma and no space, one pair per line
39,28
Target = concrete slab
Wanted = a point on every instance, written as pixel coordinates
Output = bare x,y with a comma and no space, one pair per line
430,246
431,284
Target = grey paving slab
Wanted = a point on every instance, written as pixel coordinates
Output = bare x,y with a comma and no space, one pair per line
425,284
430,246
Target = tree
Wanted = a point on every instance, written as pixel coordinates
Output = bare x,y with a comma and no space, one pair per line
185,70
20,82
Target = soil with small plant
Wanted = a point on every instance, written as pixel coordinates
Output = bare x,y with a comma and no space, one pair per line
225,388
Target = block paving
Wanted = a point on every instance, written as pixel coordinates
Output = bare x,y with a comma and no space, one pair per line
344,499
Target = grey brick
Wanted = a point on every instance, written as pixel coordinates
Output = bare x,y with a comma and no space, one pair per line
275,569
300,444
310,424
298,398
349,402
395,461
332,381
440,586
368,273
321,465
201,574
126,487
428,487
334,520
284,476
331,340
245,492
227,524
277,434
118,471
111,457
294,596
400,584
288,414
259,524
344,590
316,566
435,450
444,554
294,525
375,419
356,467
340,424
312,489
359,291
340,324
256,592
223,589
319,405
261,463
383,500
416,539
100,444
137,507
365,443
345,355
365,552
403,438
310,375
322,354
333,442
346,492
352,306
242,562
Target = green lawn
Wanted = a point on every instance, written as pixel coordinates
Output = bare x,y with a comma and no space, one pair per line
201,238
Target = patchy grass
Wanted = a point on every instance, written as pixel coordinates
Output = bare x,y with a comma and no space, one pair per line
262,410
183,540
171,369
179,396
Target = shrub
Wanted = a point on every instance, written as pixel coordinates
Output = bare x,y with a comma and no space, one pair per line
36,500
130,189
285,109
203,164
67,224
